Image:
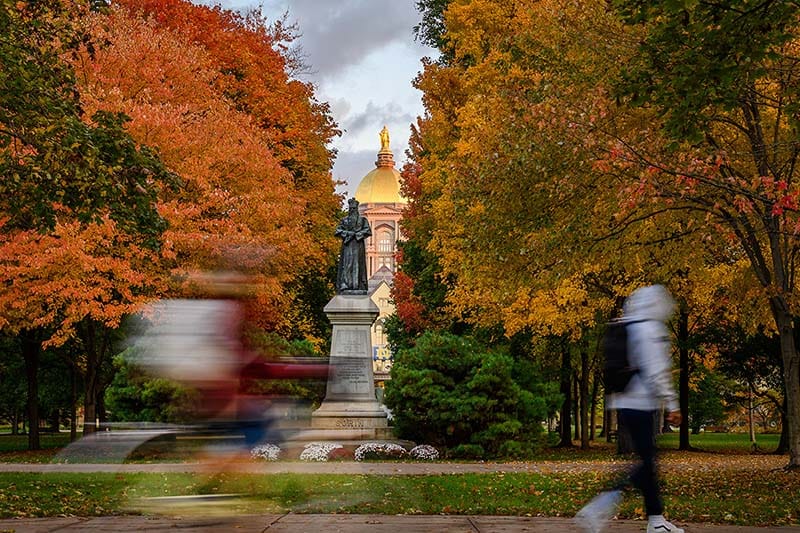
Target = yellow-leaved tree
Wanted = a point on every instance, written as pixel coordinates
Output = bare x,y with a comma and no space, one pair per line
535,170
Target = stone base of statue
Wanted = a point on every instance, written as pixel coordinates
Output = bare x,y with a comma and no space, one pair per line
350,405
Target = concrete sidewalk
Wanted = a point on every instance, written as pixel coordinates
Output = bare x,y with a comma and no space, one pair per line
318,523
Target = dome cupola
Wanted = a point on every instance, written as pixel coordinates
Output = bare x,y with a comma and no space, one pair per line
382,185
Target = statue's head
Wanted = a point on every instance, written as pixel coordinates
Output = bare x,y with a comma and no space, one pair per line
352,204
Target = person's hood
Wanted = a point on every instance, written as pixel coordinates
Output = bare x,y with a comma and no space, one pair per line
649,303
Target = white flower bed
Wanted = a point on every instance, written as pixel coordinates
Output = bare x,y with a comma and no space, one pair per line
318,451
269,452
381,450
425,451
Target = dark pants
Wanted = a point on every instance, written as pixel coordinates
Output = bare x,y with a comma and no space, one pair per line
641,427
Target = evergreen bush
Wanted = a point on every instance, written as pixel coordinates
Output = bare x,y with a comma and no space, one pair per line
456,393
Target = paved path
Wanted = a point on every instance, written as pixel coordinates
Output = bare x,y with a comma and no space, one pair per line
345,524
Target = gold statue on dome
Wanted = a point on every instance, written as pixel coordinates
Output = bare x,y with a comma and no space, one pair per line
384,139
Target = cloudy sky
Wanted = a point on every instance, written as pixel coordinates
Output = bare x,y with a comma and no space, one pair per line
362,57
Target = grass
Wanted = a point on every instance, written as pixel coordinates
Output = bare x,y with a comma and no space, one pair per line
698,490
735,498
13,448
722,442
18,443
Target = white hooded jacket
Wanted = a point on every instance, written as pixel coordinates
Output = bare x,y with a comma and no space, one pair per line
650,389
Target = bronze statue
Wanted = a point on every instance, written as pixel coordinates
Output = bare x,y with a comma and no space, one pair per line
351,277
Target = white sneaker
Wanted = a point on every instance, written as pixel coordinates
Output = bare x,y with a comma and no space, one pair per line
594,515
663,527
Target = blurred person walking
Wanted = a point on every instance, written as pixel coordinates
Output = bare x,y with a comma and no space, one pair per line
649,391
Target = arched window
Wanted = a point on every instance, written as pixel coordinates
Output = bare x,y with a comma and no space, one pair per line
385,242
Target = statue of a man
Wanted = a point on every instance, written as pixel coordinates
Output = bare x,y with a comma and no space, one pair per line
351,277
384,139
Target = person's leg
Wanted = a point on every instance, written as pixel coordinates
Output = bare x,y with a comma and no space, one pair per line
640,424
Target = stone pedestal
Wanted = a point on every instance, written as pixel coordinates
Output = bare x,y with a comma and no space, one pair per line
350,402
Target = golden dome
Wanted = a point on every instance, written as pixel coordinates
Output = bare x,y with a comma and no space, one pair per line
381,186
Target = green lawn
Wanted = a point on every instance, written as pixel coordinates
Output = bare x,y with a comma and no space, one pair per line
722,442
737,498
696,494
18,443
13,448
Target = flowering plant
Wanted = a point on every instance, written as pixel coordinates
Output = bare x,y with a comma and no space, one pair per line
318,451
378,450
270,452
425,451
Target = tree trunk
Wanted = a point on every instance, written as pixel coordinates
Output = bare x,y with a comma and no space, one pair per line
584,400
791,376
31,348
55,420
15,422
593,409
91,380
565,429
576,405
97,342
73,410
683,379
101,405
750,421
783,443
90,400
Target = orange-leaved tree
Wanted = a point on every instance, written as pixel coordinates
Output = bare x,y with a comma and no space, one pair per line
209,88
77,201
74,285
255,65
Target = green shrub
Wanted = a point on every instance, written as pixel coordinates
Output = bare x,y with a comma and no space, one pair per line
451,391
467,451
135,396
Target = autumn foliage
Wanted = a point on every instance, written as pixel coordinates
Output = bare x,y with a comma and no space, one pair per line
209,89
144,141
571,151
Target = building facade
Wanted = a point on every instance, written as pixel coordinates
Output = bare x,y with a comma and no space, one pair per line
382,204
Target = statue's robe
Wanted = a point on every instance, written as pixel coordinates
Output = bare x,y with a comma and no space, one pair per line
352,272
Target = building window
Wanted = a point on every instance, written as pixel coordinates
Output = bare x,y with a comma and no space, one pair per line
385,242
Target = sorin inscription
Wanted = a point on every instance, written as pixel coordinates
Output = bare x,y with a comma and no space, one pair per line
350,423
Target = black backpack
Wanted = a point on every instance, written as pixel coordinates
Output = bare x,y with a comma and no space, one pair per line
618,370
